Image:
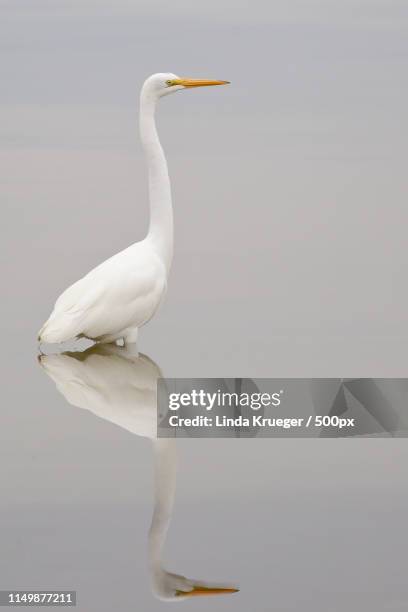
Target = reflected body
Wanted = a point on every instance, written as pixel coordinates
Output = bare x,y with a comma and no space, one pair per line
121,387
120,295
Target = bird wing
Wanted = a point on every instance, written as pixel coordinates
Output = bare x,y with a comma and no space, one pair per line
124,290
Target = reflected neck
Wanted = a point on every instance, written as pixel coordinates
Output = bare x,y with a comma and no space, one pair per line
161,212
165,468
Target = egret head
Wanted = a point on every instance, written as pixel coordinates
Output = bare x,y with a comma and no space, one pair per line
164,83
173,587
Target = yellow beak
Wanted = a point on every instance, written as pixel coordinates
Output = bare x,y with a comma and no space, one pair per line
197,82
199,591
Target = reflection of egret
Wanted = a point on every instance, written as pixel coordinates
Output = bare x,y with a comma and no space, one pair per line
121,388
120,295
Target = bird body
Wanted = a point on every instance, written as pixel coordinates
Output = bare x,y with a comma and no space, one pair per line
120,295
113,300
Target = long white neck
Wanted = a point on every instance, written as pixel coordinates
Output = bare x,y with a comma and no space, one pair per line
161,211
165,469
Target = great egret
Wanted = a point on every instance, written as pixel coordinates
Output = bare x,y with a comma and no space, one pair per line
120,295
120,387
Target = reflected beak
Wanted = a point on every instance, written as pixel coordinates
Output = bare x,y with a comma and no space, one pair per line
200,591
197,82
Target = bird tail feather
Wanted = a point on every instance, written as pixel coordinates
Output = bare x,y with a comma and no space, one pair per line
59,329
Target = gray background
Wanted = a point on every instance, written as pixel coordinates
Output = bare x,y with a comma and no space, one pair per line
290,208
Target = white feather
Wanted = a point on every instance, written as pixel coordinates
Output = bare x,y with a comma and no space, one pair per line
120,294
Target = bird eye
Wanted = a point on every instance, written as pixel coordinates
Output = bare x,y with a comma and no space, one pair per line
168,82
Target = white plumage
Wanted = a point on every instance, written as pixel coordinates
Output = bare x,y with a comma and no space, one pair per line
121,294
113,300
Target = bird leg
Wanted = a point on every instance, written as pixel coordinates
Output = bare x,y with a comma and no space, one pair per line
130,335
